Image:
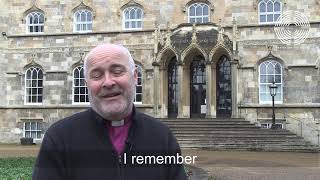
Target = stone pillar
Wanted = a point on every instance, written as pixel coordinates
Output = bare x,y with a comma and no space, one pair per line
162,108
208,89
156,87
180,89
234,88
213,92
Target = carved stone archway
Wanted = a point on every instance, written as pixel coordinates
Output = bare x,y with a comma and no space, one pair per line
186,42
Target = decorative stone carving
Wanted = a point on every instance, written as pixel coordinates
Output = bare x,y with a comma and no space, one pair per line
33,8
168,35
82,5
131,3
32,61
194,37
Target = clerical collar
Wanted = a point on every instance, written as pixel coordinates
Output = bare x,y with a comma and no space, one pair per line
117,123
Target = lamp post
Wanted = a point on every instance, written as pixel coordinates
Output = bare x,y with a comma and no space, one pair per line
273,92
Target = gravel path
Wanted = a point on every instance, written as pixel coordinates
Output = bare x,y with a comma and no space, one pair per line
244,165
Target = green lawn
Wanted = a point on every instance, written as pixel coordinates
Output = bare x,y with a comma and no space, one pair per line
16,168
20,168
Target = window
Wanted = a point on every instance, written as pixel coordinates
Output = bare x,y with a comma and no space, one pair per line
34,86
32,129
138,94
83,21
269,11
132,18
80,90
270,71
198,13
35,22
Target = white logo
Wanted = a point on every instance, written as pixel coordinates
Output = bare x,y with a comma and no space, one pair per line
292,27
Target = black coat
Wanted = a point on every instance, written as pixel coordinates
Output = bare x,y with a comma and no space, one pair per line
78,147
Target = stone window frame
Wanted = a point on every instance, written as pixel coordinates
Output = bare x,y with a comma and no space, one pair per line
203,4
135,8
140,77
275,14
39,129
37,88
74,86
36,15
267,63
85,23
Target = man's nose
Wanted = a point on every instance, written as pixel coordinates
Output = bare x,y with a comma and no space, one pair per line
108,80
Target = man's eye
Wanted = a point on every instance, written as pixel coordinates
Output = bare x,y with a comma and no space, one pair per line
95,75
118,71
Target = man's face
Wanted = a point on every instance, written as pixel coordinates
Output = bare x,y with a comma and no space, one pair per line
111,83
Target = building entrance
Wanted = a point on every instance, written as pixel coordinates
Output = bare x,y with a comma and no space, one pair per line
224,103
173,88
198,87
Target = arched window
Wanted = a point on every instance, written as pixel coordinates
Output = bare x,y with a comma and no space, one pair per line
270,71
173,88
83,21
138,94
35,22
132,18
269,11
34,86
80,90
198,13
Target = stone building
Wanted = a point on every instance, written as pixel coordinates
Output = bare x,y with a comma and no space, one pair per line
198,58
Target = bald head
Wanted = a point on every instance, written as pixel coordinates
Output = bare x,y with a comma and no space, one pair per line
106,50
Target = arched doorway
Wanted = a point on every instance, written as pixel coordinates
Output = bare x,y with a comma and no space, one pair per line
198,87
224,103
173,88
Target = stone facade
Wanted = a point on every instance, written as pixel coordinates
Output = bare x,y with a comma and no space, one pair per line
233,31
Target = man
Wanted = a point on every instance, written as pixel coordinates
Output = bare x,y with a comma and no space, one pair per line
98,143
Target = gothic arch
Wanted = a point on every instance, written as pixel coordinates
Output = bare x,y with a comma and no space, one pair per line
208,2
131,3
165,55
33,8
270,56
32,63
80,62
192,48
83,6
218,51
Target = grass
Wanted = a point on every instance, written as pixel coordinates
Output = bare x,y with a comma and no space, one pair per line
16,168
20,168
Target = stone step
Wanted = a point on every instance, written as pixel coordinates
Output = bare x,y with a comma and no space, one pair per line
217,134
218,129
206,121
282,146
201,119
216,125
228,131
248,145
247,142
253,148
242,139
234,134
